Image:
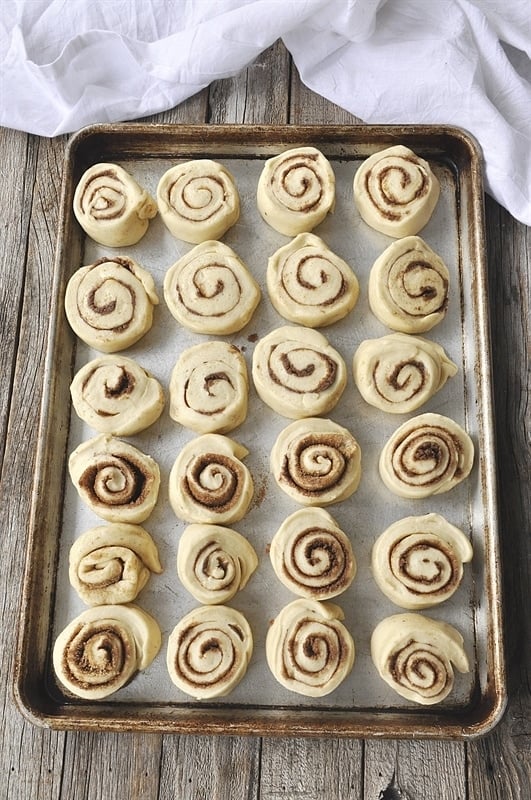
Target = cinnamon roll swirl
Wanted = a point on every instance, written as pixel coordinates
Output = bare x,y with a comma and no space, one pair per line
408,286
209,650
214,562
414,655
308,649
396,192
296,190
198,200
117,481
209,388
115,395
316,462
309,284
312,556
112,207
418,561
112,563
109,304
103,648
209,482
429,454
297,372
399,373
210,290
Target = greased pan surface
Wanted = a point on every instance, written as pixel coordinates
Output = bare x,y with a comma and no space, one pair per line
363,705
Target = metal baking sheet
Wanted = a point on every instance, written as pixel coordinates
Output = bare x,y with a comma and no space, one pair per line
363,705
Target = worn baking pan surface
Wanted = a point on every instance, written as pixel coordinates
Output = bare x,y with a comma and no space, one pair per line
363,705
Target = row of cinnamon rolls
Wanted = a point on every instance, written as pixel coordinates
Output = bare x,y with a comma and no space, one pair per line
394,190
210,290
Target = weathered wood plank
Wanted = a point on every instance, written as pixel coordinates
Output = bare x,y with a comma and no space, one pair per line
257,95
32,758
109,766
18,171
309,108
210,768
191,112
419,769
500,764
307,769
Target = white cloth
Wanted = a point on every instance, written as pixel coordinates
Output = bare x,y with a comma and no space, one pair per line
461,62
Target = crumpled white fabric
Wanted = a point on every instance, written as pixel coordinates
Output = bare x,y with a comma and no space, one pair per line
461,62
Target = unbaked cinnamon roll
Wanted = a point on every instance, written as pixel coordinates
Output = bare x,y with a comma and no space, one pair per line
214,562
414,655
312,556
308,649
418,561
209,388
198,200
316,462
297,372
115,395
396,191
103,648
208,651
109,304
408,286
296,190
112,207
209,482
429,454
399,373
116,480
112,563
309,284
210,290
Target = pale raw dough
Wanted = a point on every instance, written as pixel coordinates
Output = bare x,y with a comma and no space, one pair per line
115,395
209,482
112,563
408,286
297,372
396,191
316,462
198,200
296,190
210,290
429,454
214,562
418,561
414,654
209,388
208,651
399,373
312,556
309,284
117,481
112,207
308,649
109,304
103,648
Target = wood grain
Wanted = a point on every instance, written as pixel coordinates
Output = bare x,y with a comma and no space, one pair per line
38,763
499,765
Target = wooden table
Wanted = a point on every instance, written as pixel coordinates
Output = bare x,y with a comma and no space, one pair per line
44,764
